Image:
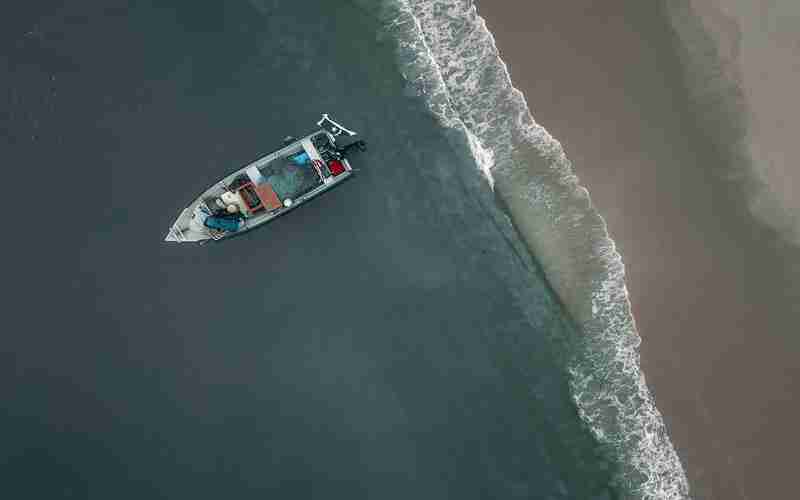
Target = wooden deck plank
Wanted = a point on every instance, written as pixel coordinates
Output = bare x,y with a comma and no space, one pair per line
268,196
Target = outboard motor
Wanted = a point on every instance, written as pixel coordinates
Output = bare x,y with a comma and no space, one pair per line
327,149
353,147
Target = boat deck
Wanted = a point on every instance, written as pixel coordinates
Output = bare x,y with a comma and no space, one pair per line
289,180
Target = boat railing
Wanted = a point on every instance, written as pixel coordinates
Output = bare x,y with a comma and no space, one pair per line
327,123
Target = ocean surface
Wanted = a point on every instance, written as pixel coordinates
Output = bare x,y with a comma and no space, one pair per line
451,323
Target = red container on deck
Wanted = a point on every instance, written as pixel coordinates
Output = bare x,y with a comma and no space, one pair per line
336,167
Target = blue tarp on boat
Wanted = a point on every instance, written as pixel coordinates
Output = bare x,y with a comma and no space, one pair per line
300,159
229,224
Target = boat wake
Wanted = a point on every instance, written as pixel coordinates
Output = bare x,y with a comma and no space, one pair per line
441,43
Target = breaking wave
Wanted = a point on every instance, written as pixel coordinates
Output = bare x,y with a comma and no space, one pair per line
448,56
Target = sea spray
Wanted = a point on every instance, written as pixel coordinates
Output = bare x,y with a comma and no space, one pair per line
449,57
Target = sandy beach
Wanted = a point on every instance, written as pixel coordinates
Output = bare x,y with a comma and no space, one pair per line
712,284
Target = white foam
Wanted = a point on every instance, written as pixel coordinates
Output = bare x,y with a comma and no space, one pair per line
450,58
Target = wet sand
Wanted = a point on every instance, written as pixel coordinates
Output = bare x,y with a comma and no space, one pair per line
711,289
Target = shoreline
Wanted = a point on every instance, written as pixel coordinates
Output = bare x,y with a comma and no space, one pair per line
606,81
561,229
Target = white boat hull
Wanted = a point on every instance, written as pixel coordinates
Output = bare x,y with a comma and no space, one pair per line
264,201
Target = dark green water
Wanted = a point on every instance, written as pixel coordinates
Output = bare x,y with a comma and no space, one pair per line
372,344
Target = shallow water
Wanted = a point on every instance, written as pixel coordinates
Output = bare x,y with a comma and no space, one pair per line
390,339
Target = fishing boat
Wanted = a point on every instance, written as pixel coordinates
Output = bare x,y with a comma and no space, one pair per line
269,187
